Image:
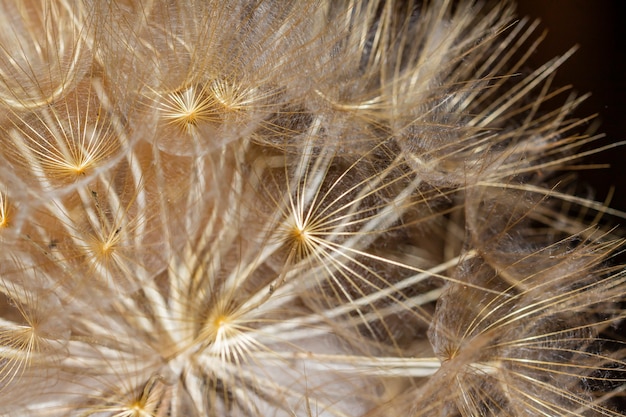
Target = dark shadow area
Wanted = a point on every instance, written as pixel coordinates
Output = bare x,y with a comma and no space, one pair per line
598,67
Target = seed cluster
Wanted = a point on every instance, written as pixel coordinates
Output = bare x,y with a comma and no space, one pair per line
296,208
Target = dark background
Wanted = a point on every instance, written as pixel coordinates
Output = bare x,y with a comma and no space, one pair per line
599,67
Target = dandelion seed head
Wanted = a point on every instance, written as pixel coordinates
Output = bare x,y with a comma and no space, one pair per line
230,96
280,207
4,211
188,108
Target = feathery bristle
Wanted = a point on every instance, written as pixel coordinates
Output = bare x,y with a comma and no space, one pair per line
297,208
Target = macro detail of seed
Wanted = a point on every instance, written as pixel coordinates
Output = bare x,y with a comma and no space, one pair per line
297,208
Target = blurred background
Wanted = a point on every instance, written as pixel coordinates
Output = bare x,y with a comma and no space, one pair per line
599,66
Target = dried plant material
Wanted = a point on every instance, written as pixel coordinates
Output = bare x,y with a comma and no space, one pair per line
296,208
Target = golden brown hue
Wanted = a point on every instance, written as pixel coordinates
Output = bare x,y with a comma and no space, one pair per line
296,208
